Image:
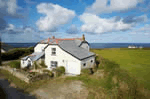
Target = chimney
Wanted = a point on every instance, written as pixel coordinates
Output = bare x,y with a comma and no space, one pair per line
53,37
83,37
48,40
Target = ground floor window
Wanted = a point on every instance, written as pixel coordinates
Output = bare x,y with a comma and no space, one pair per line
53,63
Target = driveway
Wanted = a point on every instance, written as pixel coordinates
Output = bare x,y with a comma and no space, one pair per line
62,90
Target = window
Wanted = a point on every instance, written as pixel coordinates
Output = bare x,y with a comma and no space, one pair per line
84,64
53,51
91,61
53,63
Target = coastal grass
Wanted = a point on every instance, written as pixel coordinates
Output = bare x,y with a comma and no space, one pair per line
135,61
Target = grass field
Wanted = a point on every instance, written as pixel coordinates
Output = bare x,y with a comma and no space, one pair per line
136,61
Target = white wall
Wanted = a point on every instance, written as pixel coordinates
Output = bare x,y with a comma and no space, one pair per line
39,47
85,46
62,57
24,63
88,62
3,51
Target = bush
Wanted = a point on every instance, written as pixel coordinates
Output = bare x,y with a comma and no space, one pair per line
15,64
60,70
48,72
35,65
43,64
16,53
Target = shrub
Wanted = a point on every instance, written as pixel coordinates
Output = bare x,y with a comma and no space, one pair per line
43,64
48,72
33,73
35,65
16,53
15,64
60,70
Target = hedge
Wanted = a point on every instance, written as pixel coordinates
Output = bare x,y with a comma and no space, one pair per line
16,53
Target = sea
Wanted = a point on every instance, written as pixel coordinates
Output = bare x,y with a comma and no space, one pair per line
92,45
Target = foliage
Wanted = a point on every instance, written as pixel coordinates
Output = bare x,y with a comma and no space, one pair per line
14,64
33,73
35,65
16,53
43,64
60,70
49,72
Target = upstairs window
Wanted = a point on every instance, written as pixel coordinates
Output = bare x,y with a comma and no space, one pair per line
53,51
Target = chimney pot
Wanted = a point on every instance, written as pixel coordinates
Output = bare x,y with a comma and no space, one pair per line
48,39
53,37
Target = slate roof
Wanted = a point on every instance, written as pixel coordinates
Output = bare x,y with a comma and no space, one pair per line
34,56
72,47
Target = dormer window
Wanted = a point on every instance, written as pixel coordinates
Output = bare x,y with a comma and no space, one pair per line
53,51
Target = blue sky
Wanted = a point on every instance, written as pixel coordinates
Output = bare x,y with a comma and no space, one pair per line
102,21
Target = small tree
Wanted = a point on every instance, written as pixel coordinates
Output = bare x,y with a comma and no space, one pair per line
43,64
60,70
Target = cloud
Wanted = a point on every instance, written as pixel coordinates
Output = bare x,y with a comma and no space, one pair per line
3,24
101,6
133,19
142,30
20,34
72,29
9,8
54,16
30,2
10,27
95,24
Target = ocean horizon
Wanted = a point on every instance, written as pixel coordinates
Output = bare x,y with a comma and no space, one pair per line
92,45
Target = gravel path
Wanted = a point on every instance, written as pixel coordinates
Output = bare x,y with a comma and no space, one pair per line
66,90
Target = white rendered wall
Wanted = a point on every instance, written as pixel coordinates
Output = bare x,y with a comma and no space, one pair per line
39,47
85,46
23,65
88,62
62,58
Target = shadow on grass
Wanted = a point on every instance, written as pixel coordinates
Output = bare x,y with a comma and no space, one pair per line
8,92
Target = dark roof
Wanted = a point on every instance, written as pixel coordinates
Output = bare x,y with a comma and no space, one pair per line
6,47
73,48
34,56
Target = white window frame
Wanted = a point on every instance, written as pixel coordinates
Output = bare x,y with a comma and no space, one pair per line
54,64
53,51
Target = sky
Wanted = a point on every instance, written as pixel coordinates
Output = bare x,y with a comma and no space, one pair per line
101,21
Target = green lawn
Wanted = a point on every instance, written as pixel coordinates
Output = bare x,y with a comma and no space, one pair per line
136,61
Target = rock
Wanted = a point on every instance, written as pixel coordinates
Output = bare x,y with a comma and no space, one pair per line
12,85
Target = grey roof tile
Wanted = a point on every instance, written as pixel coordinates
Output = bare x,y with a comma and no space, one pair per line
72,47
34,56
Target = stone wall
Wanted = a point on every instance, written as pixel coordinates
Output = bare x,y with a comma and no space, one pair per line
14,72
28,78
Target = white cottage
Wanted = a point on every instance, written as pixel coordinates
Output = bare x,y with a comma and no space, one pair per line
38,55
72,53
